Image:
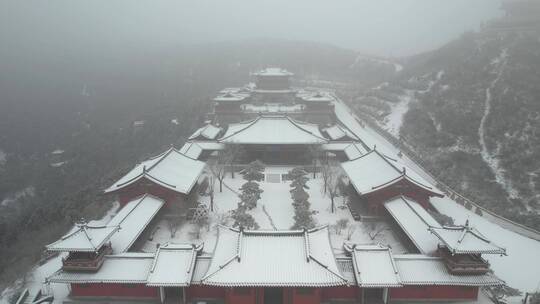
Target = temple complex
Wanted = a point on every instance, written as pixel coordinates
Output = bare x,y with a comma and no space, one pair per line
126,260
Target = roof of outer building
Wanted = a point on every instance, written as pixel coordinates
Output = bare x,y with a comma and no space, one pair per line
273,258
273,72
374,171
465,239
171,169
229,96
374,266
421,270
315,97
173,265
84,237
132,219
209,132
122,268
415,221
337,132
273,130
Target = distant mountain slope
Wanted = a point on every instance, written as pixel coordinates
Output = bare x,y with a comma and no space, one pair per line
472,110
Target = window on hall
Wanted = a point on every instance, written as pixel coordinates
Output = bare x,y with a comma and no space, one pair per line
243,291
304,291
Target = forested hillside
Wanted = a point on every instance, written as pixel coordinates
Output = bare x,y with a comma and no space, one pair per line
471,110
71,123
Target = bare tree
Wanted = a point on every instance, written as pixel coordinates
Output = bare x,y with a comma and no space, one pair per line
211,188
175,217
225,159
373,229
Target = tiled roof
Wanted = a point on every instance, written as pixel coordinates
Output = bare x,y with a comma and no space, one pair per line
422,270
173,265
84,237
273,130
415,221
132,220
466,239
208,132
124,268
337,132
273,258
373,171
374,266
171,169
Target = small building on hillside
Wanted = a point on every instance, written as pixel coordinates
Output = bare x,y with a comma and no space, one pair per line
377,178
462,248
171,176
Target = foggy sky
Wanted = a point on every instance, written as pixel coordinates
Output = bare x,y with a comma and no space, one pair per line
379,27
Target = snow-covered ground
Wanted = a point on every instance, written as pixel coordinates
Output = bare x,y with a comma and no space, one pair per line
520,269
277,201
394,120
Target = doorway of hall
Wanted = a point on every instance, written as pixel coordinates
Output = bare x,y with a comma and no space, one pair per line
273,295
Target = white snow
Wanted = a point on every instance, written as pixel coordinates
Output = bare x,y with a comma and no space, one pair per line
521,267
28,191
394,120
273,130
171,169
489,157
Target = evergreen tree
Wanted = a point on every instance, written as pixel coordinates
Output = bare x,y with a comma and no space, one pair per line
254,171
303,216
242,219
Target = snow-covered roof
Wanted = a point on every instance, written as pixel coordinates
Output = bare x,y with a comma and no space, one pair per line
315,97
423,270
346,269
191,150
415,221
129,268
273,258
465,239
374,266
273,130
337,132
273,72
132,220
355,150
173,265
84,237
171,169
202,263
373,171
229,96
273,108
209,132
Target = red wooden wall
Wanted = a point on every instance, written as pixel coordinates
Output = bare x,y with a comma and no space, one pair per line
434,292
114,290
144,186
376,199
341,292
205,292
242,295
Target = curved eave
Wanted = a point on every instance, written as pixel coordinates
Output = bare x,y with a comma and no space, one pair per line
397,180
274,284
82,281
495,282
163,284
66,249
150,178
